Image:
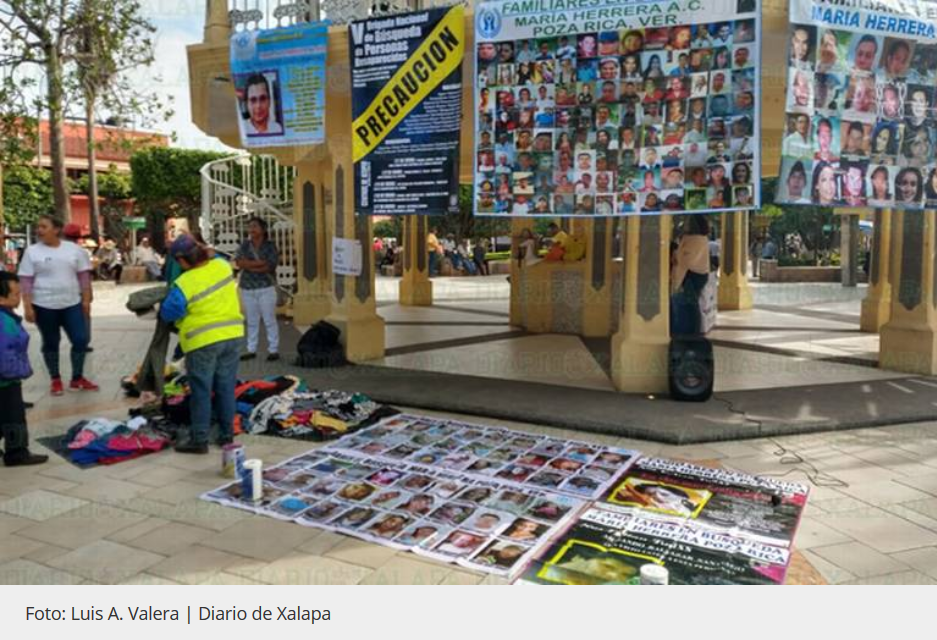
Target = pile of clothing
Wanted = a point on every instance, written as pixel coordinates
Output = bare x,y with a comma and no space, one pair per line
103,441
316,415
248,393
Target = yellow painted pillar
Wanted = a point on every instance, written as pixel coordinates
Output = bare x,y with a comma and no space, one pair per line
353,298
416,289
909,338
313,300
639,349
734,293
876,307
217,25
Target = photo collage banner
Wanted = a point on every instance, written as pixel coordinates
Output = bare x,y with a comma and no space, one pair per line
482,497
533,507
859,108
631,108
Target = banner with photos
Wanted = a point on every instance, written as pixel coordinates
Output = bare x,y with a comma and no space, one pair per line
634,108
859,108
279,81
483,497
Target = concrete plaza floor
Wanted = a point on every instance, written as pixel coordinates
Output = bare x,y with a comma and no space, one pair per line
872,516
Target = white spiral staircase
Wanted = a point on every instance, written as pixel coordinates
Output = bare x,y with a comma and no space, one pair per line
244,186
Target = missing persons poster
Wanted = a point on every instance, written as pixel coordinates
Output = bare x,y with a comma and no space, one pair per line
628,108
279,81
407,111
860,104
605,547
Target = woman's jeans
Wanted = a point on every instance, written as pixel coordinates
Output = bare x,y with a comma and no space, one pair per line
685,316
213,369
261,304
73,321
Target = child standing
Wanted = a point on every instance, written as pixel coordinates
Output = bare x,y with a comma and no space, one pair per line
14,368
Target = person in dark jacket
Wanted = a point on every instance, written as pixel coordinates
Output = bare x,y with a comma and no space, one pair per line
14,368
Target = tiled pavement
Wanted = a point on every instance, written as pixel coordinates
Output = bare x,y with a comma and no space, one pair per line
872,519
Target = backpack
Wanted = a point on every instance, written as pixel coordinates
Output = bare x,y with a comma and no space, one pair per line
320,348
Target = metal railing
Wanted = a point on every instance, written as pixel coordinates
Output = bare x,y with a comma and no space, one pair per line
270,14
244,186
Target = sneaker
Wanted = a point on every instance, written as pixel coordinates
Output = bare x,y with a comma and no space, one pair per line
89,349
273,357
83,384
199,448
57,389
248,356
24,459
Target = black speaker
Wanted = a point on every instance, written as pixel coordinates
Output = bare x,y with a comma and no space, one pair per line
690,369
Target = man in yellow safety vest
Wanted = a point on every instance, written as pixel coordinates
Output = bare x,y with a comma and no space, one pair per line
204,304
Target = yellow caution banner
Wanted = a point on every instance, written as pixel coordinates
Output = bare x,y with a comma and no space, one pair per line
438,56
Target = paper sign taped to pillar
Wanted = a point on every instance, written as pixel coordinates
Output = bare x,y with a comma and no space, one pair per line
279,80
859,108
346,257
407,111
630,108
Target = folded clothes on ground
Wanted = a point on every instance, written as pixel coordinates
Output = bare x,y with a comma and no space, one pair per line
103,441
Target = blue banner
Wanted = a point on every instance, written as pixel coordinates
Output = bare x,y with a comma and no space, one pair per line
279,79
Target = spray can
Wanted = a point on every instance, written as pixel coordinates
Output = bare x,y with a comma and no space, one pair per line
232,460
252,481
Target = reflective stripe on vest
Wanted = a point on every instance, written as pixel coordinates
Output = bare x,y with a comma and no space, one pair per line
209,327
213,310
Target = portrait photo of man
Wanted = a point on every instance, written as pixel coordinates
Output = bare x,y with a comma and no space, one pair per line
259,105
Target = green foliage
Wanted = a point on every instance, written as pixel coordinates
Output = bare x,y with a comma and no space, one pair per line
806,220
27,194
169,178
112,185
392,228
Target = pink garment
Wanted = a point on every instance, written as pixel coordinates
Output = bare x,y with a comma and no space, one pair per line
137,442
82,439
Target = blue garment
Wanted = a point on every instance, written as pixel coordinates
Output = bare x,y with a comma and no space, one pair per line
213,369
14,348
174,306
73,321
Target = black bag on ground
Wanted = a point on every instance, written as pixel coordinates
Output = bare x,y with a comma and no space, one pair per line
320,347
691,372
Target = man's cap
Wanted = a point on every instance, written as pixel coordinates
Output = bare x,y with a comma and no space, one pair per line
182,245
72,230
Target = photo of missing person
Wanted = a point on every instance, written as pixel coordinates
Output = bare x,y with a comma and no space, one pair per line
664,498
591,564
500,554
260,106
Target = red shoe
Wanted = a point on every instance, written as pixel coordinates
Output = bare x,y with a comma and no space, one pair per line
83,384
56,388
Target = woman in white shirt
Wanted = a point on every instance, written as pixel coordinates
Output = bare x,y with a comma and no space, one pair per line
56,282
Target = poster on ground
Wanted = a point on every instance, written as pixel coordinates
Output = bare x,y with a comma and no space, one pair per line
477,522
279,81
406,74
631,108
607,547
751,507
859,109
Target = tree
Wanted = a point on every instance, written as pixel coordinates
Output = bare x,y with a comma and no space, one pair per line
113,38
39,33
27,194
166,182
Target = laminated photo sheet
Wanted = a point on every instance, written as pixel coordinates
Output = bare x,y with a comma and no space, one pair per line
757,508
571,467
481,523
610,547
